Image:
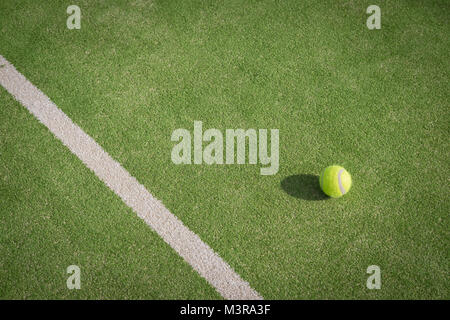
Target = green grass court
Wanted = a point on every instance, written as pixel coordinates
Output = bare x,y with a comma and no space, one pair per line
373,101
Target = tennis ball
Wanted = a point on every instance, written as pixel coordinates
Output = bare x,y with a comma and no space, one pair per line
335,181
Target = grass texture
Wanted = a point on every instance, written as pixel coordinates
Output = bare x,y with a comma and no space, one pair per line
373,101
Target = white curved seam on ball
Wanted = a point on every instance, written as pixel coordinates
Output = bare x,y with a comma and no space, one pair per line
341,187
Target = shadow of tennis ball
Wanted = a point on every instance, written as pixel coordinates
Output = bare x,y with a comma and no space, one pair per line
303,186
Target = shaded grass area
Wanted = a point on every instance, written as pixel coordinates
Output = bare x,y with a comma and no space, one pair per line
56,213
375,102
303,186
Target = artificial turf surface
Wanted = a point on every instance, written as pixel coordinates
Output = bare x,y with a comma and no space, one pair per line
56,213
375,102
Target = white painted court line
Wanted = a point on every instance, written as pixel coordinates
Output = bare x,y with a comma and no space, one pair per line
186,243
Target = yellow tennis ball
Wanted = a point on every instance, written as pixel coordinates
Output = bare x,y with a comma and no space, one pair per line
335,181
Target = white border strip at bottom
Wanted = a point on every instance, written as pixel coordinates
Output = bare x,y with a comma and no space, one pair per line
185,242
